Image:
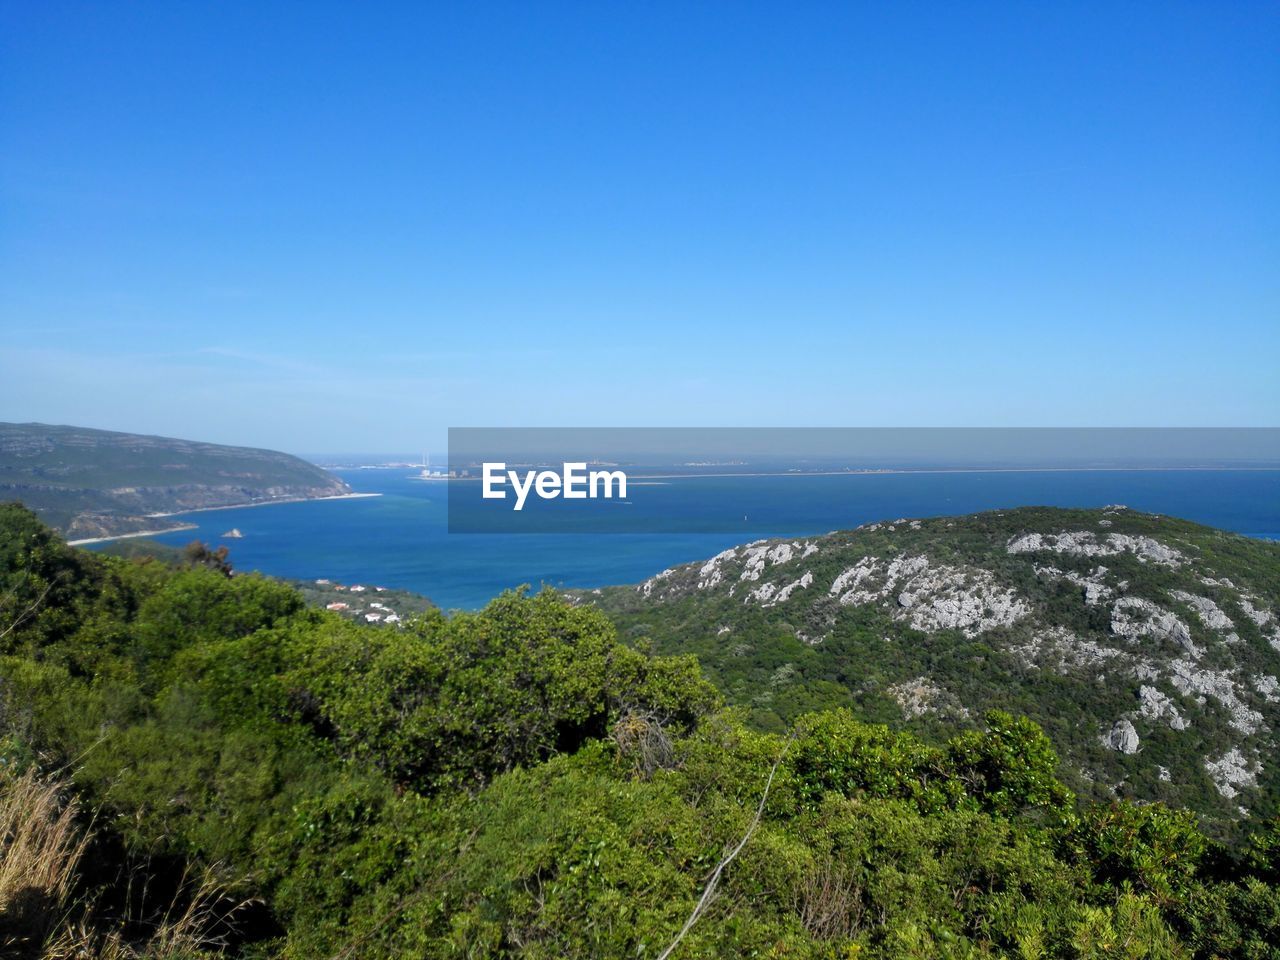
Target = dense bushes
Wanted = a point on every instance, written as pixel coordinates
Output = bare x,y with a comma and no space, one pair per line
447,702
1008,768
515,782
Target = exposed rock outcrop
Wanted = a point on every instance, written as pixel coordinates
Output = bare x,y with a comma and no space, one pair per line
1093,584
1060,650
770,594
921,696
1210,615
931,597
1231,771
1157,706
1085,543
1191,680
1134,618
1144,634
1122,737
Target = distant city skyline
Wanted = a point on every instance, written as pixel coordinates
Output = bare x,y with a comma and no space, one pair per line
334,228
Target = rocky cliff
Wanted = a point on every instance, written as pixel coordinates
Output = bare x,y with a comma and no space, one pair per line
1148,647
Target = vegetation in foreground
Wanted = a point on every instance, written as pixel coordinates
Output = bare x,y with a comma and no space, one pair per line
518,783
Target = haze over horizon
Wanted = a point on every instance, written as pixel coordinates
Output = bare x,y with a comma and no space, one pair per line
347,229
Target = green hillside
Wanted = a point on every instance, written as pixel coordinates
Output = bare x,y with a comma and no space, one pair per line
1147,647
93,483
194,764
368,604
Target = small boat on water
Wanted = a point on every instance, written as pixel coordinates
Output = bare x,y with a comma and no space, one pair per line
233,534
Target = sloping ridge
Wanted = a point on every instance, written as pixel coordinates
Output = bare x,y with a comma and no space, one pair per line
90,483
1148,647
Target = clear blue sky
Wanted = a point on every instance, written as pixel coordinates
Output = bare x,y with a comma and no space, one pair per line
346,227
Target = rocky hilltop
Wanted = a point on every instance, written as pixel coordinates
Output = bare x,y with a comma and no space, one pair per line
1148,647
95,483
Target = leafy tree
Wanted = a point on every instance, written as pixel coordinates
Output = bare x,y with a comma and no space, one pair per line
197,554
1010,767
1148,848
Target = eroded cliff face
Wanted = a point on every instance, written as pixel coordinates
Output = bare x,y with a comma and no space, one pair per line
1149,647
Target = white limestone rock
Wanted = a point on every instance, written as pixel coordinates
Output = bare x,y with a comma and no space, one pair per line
760,554
1158,706
804,582
1093,584
770,594
1260,617
647,588
1191,680
1145,548
755,559
1146,670
1210,614
1085,543
1263,619
711,573
1060,650
1220,582
848,585
1134,618
931,598
922,696
953,599
1122,737
1268,686
1231,771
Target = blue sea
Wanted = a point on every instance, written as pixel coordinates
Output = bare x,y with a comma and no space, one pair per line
401,539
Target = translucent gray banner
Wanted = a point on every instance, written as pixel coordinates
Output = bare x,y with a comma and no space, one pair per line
767,481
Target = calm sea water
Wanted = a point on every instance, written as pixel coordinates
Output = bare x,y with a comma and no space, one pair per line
400,539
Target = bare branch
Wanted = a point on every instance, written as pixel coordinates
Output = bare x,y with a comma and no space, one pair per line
31,609
710,888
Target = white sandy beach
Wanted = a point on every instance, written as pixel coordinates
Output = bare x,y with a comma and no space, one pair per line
192,526
128,536
264,503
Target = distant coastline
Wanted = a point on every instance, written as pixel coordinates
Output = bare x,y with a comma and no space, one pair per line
191,526
129,536
264,503
898,471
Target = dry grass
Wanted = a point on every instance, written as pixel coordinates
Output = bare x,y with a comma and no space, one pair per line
43,912
181,932
40,849
642,738
830,902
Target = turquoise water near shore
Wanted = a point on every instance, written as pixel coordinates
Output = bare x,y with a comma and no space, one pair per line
401,539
